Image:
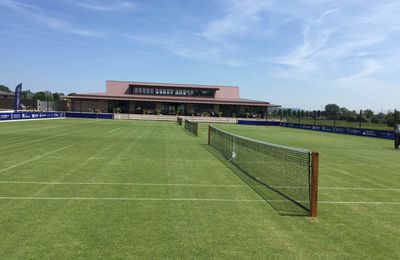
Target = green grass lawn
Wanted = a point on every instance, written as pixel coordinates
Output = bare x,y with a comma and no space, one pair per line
134,189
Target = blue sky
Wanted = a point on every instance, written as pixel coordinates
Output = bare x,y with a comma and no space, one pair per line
302,54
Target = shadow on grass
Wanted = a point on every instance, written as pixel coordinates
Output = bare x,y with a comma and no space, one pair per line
282,205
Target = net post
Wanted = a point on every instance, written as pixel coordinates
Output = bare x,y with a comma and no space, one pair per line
209,134
314,184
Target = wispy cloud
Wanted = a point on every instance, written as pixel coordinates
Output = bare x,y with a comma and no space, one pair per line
370,67
212,42
338,40
178,46
106,6
39,15
240,16
314,39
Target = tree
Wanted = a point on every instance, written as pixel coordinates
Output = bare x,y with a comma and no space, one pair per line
390,119
288,112
345,114
368,114
396,117
5,89
332,111
27,94
378,118
72,94
56,96
44,96
314,113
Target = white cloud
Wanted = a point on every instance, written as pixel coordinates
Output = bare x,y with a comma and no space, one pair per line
240,16
371,66
50,21
179,47
103,6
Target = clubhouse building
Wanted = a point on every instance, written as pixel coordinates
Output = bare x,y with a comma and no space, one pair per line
168,99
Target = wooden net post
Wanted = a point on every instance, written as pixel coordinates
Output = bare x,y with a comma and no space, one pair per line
314,184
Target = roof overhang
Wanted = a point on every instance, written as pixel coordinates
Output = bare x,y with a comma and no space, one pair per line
172,100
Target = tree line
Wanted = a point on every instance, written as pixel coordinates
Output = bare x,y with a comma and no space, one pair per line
40,95
334,112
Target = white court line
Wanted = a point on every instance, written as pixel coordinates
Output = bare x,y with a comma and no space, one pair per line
34,159
116,129
341,188
134,199
129,158
182,185
196,199
359,188
35,119
124,184
362,202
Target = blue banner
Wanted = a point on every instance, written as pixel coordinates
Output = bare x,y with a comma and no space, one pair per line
344,130
17,97
89,115
331,129
30,115
250,122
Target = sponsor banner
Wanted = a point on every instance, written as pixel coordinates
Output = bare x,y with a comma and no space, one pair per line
89,115
249,122
344,130
331,129
17,97
29,115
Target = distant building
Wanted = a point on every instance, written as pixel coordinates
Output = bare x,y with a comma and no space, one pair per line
6,95
168,99
6,100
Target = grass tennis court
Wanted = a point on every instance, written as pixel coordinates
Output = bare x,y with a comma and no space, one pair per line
135,189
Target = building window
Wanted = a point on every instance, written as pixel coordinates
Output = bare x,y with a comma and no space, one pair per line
148,90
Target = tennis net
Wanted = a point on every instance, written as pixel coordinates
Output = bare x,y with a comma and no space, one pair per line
290,173
192,127
179,120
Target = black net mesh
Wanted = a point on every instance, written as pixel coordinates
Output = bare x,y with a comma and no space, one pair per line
280,174
191,126
179,120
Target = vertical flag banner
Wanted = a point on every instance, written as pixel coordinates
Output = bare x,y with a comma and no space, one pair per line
18,90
